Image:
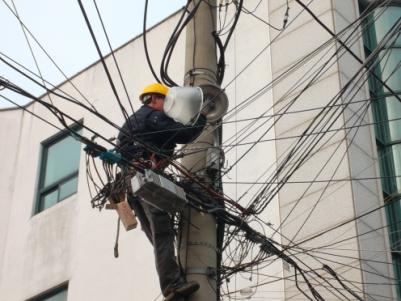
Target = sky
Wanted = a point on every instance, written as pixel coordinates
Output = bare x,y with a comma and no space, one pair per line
60,28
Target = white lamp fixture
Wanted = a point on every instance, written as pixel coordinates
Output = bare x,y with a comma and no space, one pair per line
184,104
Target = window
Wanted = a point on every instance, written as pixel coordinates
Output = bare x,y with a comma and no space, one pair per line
387,115
58,294
59,169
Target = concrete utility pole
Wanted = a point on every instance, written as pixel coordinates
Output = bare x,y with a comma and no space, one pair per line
198,253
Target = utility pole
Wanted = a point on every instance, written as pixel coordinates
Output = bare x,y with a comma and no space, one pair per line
198,251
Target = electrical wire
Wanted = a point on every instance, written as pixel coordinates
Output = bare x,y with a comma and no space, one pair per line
26,29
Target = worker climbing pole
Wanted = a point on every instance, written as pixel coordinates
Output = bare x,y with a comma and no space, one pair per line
145,147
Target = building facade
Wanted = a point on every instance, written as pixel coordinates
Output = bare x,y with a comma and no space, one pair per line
286,88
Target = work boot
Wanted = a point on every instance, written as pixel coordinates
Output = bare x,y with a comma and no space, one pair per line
182,291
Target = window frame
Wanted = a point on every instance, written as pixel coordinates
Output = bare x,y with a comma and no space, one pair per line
45,145
385,143
50,292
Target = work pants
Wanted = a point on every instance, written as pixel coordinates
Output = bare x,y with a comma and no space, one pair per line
158,227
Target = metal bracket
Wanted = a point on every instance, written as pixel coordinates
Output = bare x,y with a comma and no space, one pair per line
203,244
213,158
208,271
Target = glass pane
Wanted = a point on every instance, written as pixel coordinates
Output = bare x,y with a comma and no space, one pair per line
48,200
390,67
386,169
394,219
396,154
61,296
62,160
393,107
381,119
393,211
370,33
385,19
68,188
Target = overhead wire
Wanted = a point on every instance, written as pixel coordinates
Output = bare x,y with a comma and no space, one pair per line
301,141
103,62
345,152
29,46
113,55
226,171
72,100
47,54
267,181
12,61
30,112
317,258
145,45
351,52
252,13
186,16
275,80
312,0
313,293
343,31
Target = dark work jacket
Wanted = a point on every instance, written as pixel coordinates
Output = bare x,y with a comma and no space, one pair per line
151,131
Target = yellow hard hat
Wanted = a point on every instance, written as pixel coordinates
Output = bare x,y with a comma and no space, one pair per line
154,88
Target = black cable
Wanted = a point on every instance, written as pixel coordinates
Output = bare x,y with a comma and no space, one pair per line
346,47
102,117
55,111
301,141
349,143
30,112
30,47
114,57
123,111
363,15
221,63
61,117
292,68
388,201
54,87
315,257
170,45
145,14
48,56
168,51
286,108
246,11
269,248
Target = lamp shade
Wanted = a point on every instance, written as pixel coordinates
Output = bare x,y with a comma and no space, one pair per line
183,104
215,102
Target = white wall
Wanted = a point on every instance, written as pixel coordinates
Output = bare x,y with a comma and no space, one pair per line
328,204
71,241
243,77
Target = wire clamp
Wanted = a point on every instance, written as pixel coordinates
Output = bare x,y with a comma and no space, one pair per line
110,156
208,271
93,149
203,244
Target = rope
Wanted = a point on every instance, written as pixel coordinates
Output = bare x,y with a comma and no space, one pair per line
117,236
